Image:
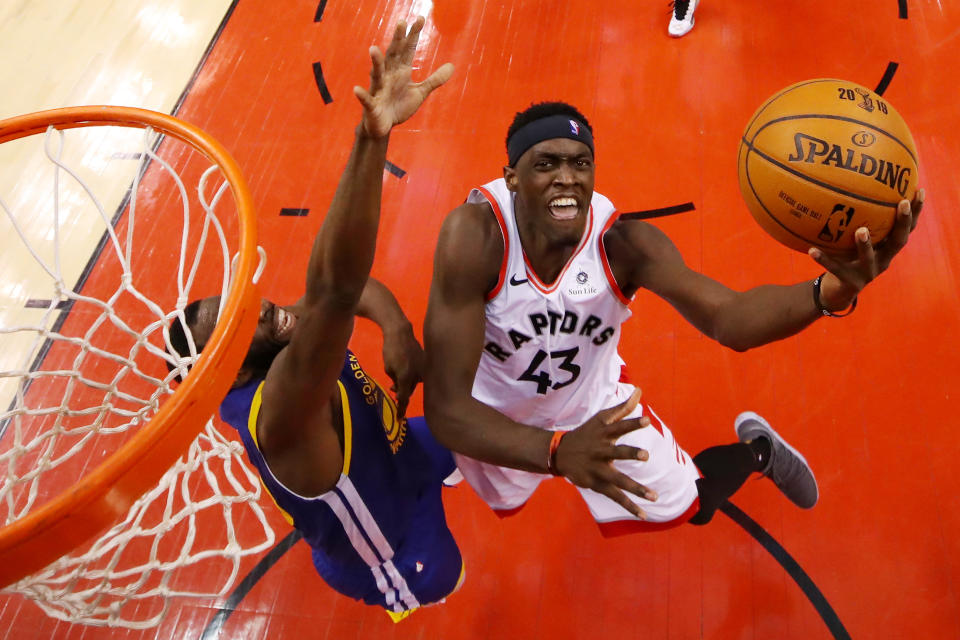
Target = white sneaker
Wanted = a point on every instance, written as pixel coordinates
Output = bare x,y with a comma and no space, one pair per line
682,19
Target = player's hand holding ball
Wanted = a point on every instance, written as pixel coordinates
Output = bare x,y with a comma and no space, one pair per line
830,168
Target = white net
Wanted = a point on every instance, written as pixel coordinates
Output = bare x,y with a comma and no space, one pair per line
85,363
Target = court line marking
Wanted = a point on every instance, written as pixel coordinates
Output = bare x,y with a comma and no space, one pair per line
321,83
213,628
658,213
887,78
792,567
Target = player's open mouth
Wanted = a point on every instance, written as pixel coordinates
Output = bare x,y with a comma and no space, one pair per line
283,324
563,208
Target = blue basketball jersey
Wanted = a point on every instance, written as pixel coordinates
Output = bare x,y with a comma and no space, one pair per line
380,534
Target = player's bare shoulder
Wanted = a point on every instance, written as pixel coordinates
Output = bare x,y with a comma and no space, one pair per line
471,241
635,249
473,223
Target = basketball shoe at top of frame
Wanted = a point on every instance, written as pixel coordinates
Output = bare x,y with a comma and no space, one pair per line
787,468
681,20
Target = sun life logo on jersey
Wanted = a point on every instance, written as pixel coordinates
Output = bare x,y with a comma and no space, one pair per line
584,288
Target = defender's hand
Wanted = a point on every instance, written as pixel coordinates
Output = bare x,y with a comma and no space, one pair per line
586,455
403,361
393,97
846,279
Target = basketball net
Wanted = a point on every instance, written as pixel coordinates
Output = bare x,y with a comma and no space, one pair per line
86,366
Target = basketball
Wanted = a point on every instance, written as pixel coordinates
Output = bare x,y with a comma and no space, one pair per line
822,158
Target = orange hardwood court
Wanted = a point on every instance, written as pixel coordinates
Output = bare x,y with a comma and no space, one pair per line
868,399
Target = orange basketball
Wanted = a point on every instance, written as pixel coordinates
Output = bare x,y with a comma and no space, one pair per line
821,159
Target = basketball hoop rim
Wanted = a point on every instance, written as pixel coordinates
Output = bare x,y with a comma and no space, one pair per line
103,496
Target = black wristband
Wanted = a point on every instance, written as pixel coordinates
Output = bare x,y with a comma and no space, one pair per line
823,309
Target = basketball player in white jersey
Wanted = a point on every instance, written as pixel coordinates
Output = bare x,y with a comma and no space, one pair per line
532,280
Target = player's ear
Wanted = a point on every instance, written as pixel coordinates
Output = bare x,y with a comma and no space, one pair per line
510,175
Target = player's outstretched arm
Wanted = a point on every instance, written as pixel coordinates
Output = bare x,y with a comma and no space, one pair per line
295,422
466,266
642,256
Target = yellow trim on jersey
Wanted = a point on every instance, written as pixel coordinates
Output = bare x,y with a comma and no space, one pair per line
347,428
252,428
397,616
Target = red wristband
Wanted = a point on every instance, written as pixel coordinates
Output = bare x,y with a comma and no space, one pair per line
552,456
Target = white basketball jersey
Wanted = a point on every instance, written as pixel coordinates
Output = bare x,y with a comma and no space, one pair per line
550,350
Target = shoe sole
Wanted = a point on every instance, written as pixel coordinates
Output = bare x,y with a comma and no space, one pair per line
750,415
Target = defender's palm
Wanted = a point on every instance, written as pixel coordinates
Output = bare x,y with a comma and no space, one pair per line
393,97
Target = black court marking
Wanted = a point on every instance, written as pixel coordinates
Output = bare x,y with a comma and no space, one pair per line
321,83
320,7
793,569
215,626
395,170
887,78
783,558
290,211
903,9
658,213
204,58
34,303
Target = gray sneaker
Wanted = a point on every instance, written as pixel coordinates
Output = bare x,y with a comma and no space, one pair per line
787,468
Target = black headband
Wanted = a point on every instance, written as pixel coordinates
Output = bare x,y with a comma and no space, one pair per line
548,128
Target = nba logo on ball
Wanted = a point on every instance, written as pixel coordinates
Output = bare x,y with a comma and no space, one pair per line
823,158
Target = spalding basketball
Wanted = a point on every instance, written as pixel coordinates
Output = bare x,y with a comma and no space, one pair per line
823,158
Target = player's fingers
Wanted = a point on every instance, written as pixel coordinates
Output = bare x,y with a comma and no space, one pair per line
413,37
364,97
626,452
916,206
376,69
437,79
617,495
406,385
866,253
397,41
621,427
627,483
402,401
834,266
613,414
899,234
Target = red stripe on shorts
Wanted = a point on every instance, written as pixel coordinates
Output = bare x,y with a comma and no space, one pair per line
627,527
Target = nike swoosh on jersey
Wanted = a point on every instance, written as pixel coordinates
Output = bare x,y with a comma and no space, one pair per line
515,282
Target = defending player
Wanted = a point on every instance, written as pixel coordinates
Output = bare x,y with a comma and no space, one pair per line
333,449
532,280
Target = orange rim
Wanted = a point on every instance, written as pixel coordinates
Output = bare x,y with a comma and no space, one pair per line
103,496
